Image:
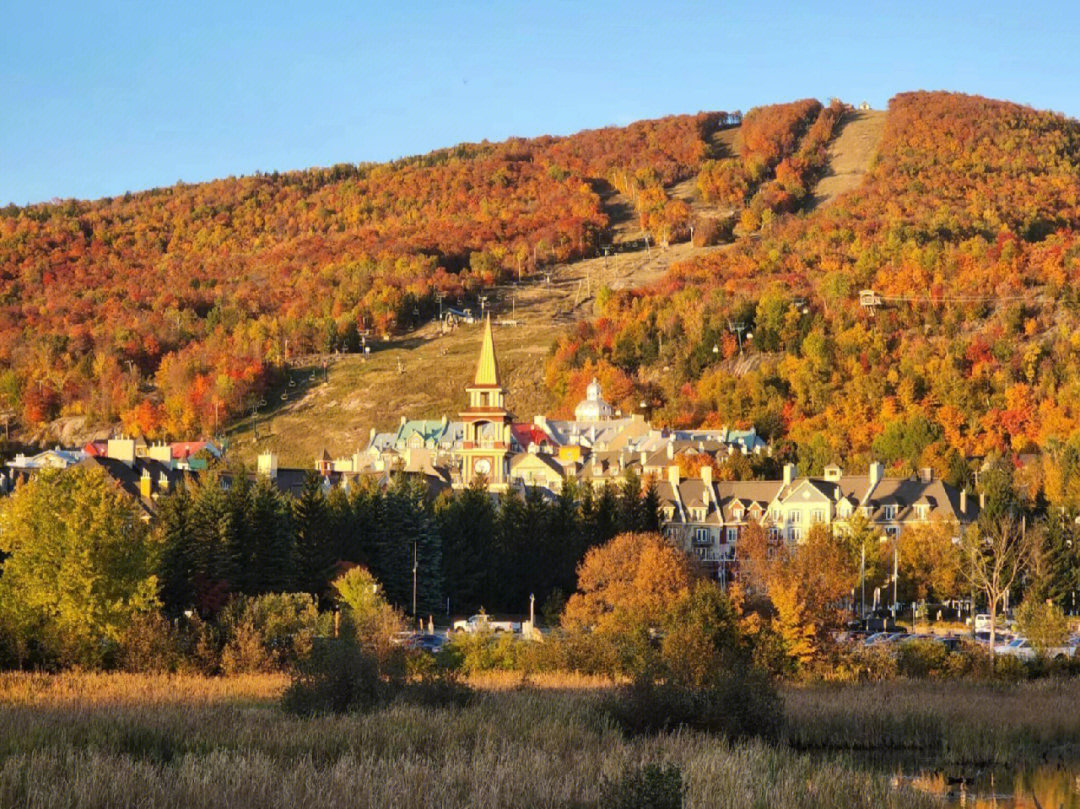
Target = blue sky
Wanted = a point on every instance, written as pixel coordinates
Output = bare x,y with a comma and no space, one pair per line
96,101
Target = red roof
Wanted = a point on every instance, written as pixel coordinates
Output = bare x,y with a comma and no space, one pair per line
181,450
96,449
526,433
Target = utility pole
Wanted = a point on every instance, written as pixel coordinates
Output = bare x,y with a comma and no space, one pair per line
532,611
414,578
895,573
862,579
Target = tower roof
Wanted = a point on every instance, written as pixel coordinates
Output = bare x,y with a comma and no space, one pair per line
487,370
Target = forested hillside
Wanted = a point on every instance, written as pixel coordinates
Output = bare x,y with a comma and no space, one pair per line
965,227
170,309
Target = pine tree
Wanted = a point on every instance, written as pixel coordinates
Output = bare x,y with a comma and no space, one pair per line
467,526
630,513
606,516
512,539
393,546
239,542
176,566
211,527
314,554
650,507
272,533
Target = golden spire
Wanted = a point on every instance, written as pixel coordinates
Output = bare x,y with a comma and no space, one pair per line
487,370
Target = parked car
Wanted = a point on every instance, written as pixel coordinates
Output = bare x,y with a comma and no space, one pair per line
484,623
1022,648
432,643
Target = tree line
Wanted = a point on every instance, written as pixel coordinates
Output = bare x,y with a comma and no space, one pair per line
470,550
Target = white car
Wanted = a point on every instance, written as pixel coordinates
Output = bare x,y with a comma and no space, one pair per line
1022,648
484,623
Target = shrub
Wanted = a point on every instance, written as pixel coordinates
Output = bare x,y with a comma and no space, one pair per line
650,787
738,704
336,677
269,632
922,658
149,644
437,689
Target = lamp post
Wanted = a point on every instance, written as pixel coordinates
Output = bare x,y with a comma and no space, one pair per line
414,568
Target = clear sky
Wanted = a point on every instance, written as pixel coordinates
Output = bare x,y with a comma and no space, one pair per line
101,98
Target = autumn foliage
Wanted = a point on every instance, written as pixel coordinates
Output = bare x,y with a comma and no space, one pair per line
172,309
966,225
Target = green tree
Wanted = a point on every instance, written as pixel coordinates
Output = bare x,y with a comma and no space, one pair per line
314,543
80,564
1043,623
466,524
176,569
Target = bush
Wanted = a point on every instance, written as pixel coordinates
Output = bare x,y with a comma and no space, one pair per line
738,704
651,787
149,644
337,677
922,658
267,633
437,689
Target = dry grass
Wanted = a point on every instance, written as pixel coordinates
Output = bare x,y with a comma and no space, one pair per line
950,721
120,741
850,154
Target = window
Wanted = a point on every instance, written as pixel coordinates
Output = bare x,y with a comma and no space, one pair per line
698,514
892,531
774,515
890,512
796,534
921,511
737,514
795,517
701,536
819,515
732,535
774,534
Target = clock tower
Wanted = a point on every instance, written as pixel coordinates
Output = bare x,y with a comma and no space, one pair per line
485,450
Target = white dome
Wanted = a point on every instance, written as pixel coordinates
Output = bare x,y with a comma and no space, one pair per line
593,407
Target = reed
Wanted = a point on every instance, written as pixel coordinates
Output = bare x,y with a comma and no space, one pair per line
88,741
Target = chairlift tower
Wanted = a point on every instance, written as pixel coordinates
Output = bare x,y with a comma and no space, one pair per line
869,301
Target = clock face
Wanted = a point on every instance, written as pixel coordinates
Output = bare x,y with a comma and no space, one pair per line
483,466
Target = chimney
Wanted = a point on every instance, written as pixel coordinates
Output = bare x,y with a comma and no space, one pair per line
670,450
444,421
146,484
833,473
706,476
982,501
876,472
963,501
643,454
162,453
673,475
926,474
268,465
163,481
371,436
121,449
790,473
403,420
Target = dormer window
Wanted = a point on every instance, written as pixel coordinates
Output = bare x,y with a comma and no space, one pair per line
922,511
737,514
699,514
890,512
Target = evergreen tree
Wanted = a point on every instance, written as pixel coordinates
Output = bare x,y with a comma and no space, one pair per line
239,541
467,525
650,507
176,565
567,541
428,556
211,529
393,545
606,520
365,505
631,516
1059,561
511,540
272,532
314,551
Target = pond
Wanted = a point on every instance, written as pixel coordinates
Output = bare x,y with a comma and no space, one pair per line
1048,785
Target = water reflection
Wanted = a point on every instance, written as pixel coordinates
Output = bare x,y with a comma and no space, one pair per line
1046,787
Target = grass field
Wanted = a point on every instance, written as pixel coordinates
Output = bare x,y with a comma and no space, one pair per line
128,741
112,740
